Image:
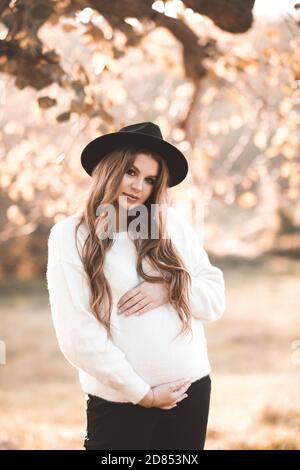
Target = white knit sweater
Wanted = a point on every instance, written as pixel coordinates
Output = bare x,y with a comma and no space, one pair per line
143,352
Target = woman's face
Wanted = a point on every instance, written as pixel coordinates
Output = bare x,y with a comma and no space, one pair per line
138,181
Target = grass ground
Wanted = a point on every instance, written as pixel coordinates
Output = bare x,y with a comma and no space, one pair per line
255,380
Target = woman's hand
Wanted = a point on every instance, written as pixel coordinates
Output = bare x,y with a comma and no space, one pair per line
143,298
148,400
166,396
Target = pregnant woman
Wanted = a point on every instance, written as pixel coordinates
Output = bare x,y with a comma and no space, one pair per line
130,287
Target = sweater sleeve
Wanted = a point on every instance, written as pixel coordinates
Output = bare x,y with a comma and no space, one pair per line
207,294
207,291
82,339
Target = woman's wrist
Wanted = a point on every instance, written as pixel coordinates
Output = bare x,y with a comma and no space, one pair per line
153,397
148,399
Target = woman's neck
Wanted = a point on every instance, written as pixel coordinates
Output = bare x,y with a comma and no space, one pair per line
121,220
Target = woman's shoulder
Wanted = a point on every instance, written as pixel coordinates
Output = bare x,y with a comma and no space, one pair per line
62,239
66,227
182,228
176,221
62,242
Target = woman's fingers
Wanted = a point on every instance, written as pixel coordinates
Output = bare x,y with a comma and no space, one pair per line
178,386
174,403
184,387
181,390
177,391
182,397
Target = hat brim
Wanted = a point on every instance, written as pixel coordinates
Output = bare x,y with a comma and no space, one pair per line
95,150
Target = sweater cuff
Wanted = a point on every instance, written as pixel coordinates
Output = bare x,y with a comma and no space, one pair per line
138,391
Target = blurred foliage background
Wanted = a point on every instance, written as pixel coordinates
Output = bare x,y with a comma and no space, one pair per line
222,80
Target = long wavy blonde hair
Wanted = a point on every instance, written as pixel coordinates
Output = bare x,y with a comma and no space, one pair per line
160,252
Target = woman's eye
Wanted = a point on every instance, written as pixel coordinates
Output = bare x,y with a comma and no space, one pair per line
150,181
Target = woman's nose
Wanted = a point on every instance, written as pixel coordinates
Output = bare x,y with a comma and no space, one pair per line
138,185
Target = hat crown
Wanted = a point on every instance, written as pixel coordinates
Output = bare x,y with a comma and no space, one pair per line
148,128
141,135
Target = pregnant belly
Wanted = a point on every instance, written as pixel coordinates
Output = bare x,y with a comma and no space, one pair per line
150,345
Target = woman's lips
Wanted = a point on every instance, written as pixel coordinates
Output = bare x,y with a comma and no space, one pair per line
131,198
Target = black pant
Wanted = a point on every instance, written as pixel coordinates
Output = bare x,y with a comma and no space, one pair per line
112,425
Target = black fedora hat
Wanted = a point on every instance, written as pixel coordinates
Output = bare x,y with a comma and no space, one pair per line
144,135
